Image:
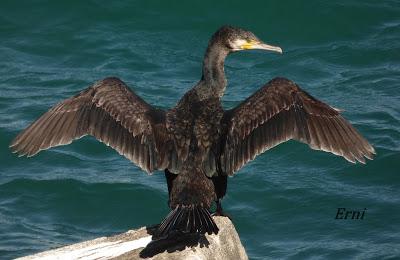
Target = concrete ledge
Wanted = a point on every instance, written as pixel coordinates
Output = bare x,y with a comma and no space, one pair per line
137,244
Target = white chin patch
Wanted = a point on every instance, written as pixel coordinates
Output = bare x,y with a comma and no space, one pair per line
237,44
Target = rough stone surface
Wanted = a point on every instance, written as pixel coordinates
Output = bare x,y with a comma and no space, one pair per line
137,244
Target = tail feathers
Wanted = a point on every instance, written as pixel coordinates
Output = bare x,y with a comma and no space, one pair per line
188,219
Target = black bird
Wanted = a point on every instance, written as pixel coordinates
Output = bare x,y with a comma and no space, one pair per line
197,143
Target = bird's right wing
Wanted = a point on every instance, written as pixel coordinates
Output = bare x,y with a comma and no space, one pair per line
111,113
281,111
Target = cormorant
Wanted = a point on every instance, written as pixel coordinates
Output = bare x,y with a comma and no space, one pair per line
197,143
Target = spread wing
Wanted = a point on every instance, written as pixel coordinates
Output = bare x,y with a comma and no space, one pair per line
111,113
281,111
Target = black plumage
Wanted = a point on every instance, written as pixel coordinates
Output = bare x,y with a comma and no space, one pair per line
197,143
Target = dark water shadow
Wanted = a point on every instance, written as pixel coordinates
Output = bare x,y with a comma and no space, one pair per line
176,241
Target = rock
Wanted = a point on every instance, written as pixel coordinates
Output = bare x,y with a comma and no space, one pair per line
137,244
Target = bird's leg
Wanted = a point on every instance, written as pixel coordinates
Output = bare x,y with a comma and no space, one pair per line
219,211
170,179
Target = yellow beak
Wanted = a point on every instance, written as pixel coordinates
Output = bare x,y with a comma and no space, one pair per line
256,45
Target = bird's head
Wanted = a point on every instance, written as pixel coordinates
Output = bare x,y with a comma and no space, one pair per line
237,39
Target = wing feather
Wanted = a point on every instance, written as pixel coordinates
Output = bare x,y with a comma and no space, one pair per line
111,113
281,111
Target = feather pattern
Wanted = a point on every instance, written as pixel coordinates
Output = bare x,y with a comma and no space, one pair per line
187,219
281,111
111,113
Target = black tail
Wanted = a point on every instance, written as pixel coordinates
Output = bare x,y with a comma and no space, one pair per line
188,219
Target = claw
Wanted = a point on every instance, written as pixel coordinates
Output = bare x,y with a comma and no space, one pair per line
219,211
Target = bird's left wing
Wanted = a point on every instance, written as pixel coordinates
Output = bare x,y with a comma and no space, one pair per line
110,112
281,111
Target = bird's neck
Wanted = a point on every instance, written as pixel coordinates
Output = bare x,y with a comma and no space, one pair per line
213,70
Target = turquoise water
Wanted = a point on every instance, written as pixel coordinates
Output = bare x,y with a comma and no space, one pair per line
284,203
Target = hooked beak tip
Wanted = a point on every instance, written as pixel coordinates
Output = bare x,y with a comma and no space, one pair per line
264,46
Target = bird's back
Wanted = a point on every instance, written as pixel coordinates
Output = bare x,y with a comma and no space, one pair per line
194,124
